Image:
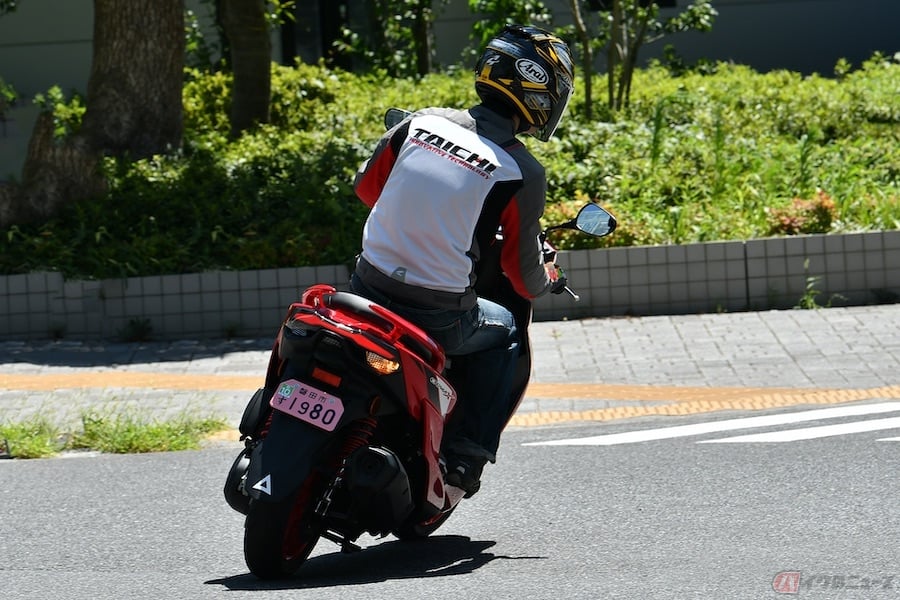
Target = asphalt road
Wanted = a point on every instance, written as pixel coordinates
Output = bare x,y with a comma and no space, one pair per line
660,519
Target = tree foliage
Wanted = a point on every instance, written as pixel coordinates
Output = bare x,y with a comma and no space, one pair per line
397,38
697,157
626,26
617,28
494,15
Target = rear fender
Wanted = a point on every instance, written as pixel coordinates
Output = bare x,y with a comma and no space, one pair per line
284,458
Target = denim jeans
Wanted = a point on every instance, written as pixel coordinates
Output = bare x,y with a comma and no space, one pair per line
486,337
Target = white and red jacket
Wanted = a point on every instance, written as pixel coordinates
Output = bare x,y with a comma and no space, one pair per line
440,184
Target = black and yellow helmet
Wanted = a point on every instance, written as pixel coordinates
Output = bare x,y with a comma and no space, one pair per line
530,71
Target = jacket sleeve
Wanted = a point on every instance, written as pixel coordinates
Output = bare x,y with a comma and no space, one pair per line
521,258
373,173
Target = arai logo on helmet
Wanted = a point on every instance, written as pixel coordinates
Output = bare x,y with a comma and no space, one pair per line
532,71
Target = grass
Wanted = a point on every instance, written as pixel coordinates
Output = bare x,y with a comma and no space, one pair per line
809,299
36,438
115,434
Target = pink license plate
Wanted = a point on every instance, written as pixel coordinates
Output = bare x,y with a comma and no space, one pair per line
309,404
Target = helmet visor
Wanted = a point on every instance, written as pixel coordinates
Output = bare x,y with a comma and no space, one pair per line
545,132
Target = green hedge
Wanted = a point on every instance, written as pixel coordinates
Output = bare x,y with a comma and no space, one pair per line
730,155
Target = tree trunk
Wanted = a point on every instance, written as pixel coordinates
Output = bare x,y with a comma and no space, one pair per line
133,109
56,173
52,174
613,52
630,63
134,93
251,57
422,37
587,57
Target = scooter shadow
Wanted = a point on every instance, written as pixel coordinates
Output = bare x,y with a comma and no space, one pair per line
437,556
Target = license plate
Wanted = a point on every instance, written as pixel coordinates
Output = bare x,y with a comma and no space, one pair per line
308,404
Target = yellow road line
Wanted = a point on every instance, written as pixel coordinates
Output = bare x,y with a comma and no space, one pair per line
130,379
701,400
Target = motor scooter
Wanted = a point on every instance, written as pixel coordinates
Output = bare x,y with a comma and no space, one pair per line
344,437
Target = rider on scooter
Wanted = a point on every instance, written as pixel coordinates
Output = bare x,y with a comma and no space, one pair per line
440,185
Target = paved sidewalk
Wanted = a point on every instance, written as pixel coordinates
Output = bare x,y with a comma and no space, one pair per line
588,369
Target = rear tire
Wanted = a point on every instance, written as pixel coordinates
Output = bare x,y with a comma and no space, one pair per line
279,536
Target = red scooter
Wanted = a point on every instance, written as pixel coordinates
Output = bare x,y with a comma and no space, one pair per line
345,437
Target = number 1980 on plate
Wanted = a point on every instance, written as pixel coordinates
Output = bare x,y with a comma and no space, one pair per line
308,404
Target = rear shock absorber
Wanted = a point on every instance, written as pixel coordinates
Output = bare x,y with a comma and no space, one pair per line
358,434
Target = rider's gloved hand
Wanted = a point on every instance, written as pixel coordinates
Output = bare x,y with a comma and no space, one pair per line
557,276
549,252
559,286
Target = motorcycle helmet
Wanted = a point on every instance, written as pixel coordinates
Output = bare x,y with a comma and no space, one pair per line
531,72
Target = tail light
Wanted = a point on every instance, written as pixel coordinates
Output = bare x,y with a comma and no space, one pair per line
383,365
326,377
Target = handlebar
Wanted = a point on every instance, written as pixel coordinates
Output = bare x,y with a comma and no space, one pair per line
549,253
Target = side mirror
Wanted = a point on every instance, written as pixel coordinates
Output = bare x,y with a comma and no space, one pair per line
394,116
591,219
595,220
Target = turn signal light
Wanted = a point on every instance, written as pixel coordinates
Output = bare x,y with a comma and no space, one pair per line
383,365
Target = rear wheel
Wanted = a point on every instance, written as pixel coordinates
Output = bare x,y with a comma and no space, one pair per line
279,536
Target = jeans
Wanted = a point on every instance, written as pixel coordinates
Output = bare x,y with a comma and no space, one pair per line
486,338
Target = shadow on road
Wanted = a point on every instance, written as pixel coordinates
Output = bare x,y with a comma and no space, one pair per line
436,556
104,353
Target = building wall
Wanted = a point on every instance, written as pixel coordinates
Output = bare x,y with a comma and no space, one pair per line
45,43
48,42
800,35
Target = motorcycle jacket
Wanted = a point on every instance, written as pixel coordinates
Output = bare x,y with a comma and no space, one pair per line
440,184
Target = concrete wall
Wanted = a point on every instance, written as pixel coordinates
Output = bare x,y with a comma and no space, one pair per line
772,273
695,278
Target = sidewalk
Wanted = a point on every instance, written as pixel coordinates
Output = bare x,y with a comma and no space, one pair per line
596,369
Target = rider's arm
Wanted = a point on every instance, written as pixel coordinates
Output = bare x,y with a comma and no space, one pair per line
373,173
522,259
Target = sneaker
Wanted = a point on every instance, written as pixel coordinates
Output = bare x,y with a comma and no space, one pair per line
464,472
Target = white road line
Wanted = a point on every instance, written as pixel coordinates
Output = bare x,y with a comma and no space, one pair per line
809,433
896,439
630,437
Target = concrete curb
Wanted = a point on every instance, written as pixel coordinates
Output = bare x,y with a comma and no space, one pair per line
773,273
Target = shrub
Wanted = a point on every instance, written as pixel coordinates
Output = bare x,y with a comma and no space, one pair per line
803,216
706,155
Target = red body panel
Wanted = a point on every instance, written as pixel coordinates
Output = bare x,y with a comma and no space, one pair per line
418,371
